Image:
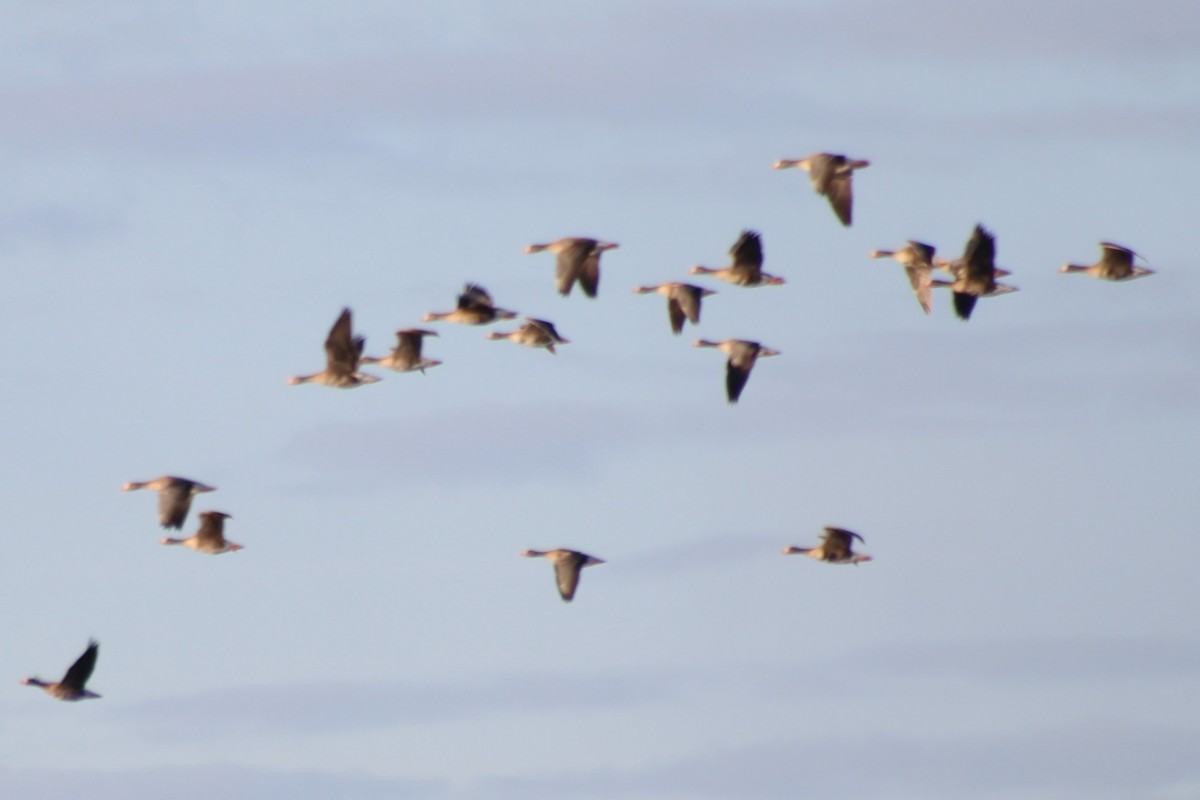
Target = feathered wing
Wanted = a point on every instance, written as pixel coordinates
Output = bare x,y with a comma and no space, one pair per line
964,304
1116,262
569,264
212,530
676,313
79,672
566,571
342,349
839,544
840,192
174,501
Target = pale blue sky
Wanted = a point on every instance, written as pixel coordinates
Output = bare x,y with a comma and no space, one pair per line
192,192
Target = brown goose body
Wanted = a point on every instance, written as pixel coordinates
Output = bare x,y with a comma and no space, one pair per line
683,302
578,259
831,175
210,538
343,353
1116,264
917,260
977,275
743,355
174,497
836,547
475,307
406,355
534,333
567,566
73,686
746,269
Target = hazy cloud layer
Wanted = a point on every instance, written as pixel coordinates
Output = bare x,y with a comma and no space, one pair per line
1101,761
226,781
324,708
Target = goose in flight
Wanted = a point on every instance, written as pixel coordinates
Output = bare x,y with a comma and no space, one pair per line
406,355
578,259
742,355
73,686
917,260
977,276
534,333
343,352
1115,264
174,497
746,269
836,547
211,536
831,175
683,302
567,566
475,307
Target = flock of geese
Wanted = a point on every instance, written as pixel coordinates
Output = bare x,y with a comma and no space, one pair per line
972,276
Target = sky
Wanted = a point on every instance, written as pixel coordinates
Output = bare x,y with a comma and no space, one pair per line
191,194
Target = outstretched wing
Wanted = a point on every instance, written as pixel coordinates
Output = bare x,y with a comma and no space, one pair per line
79,672
174,500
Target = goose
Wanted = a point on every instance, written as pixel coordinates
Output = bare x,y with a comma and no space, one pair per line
73,685
174,497
917,260
683,302
475,307
742,355
406,355
977,276
578,260
1115,264
211,536
343,352
534,333
831,175
746,269
567,566
836,547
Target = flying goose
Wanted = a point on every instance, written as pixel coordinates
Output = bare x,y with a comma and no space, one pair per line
831,176
343,352
406,355
174,497
917,260
836,547
211,536
742,355
977,277
73,685
534,333
746,269
578,260
1115,264
683,301
475,307
567,566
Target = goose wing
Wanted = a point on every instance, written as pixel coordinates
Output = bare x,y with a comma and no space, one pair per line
566,571
742,356
342,349
1116,262
839,544
79,672
212,530
474,296
174,501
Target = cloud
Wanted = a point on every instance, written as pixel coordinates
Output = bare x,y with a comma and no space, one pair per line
1029,661
227,781
329,707
1093,761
